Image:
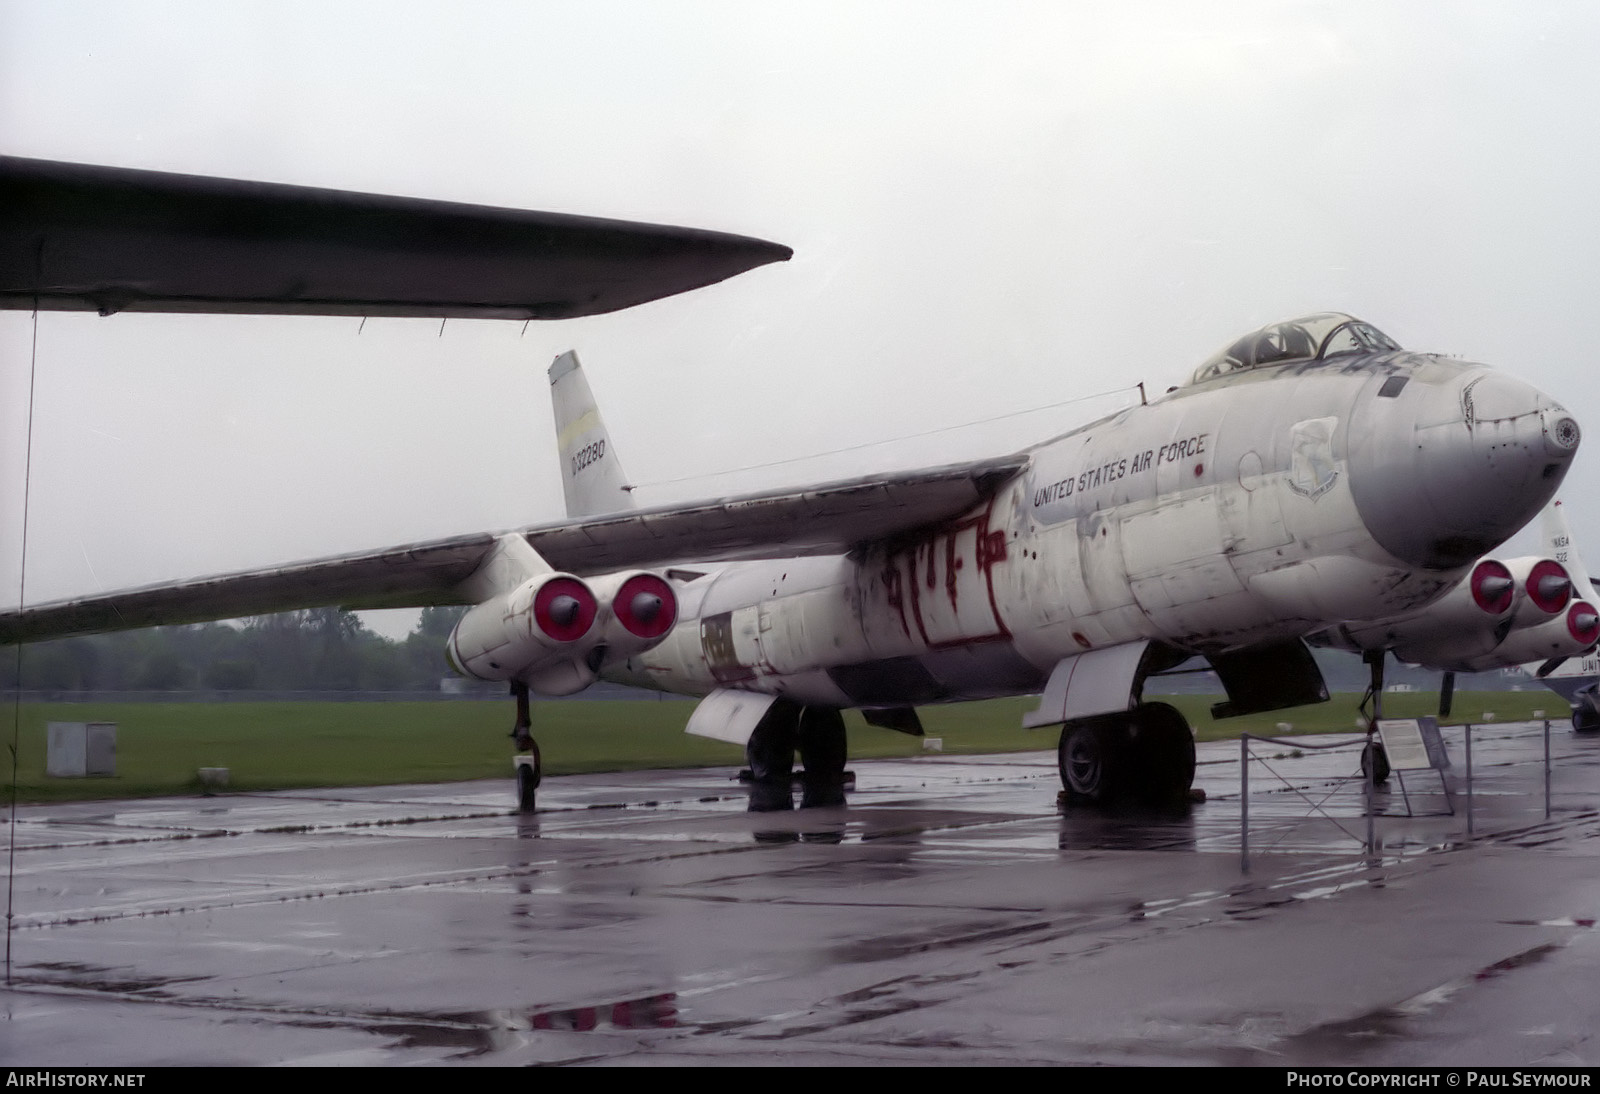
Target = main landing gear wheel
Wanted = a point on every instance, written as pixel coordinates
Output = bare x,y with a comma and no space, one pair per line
1092,756
824,750
1164,750
770,754
1146,754
1374,763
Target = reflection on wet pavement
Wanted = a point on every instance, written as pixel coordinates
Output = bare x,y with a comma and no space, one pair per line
946,910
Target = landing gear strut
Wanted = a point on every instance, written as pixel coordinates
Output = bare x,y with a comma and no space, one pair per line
530,772
1146,755
1374,760
818,734
770,754
823,753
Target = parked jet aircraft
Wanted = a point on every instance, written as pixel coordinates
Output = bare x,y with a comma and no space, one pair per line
1309,474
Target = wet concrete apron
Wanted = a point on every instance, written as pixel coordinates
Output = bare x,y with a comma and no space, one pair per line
949,913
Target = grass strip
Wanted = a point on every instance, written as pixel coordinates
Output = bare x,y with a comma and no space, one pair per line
287,745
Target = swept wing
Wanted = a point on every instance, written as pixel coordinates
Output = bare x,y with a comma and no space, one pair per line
829,519
78,237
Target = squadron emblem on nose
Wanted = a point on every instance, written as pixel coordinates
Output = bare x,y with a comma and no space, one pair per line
1312,471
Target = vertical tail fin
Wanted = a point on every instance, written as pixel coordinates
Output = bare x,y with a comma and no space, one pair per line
591,476
1558,545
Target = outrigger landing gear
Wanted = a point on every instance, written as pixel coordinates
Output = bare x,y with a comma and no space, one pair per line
1146,755
1374,760
527,762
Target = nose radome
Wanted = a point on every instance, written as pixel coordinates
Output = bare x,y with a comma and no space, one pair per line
1491,404
1456,473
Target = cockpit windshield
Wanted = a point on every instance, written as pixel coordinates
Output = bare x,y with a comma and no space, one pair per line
1309,338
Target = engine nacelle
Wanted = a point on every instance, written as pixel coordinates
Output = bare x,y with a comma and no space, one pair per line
1474,623
1570,634
1470,620
527,632
638,611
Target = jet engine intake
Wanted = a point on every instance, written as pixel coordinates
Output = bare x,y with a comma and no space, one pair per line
639,610
542,621
1545,583
1492,586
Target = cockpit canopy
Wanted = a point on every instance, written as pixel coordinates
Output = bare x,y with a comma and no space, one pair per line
1309,338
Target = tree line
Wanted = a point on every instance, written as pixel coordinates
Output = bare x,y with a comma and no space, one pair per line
322,649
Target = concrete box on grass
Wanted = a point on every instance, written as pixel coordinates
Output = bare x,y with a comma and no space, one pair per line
79,749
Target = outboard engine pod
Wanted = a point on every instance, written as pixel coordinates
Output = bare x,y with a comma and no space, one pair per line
545,619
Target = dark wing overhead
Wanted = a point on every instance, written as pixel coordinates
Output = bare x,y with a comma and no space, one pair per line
815,520
77,237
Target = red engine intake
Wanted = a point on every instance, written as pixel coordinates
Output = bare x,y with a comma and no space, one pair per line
564,608
1583,623
646,606
1493,588
640,611
1548,586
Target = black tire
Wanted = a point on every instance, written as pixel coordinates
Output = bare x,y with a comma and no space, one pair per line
824,748
1091,758
771,797
824,751
529,776
770,750
1585,721
1375,763
1164,749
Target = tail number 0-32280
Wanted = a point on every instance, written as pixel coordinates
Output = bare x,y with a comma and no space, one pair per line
588,454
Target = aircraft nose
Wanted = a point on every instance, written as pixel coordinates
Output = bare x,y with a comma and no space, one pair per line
1451,476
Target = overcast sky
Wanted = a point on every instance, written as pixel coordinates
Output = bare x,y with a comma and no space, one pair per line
994,207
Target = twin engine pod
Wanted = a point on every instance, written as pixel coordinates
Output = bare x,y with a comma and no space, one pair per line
554,632
1543,588
1502,613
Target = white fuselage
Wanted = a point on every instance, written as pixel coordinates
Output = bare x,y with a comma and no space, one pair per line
1246,509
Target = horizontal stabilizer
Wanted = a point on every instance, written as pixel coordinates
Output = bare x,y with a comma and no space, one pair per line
75,237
